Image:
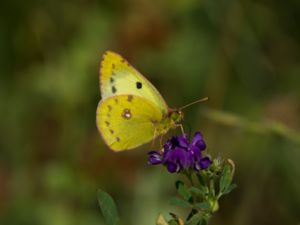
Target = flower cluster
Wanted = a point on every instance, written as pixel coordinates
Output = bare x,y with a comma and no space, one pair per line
179,154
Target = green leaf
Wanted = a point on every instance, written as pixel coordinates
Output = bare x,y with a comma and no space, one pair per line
226,178
230,188
194,220
203,205
197,191
201,179
172,222
180,202
200,191
203,222
108,208
183,190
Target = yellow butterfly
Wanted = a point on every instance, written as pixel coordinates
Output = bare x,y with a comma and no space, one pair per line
131,112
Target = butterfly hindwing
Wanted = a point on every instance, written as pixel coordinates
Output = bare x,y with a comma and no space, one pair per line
127,121
117,77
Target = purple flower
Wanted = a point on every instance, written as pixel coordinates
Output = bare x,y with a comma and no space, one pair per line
154,158
180,154
198,141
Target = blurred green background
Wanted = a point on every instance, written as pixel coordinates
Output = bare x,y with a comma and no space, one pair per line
244,55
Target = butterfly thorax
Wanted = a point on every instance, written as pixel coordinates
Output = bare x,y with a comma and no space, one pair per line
175,116
171,120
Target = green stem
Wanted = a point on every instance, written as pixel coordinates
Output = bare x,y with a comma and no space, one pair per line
212,187
189,176
205,219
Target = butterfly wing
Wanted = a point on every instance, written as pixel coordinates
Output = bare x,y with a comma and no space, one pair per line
117,77
127,121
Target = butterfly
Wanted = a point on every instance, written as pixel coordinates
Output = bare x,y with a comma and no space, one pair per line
131,112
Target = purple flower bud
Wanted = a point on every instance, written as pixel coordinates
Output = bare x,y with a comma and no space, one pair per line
205,163
198,141
154,158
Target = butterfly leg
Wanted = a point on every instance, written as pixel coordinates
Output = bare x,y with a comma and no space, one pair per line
161,141
154,135
181,128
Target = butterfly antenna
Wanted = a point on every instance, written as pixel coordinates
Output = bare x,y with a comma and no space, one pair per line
192,103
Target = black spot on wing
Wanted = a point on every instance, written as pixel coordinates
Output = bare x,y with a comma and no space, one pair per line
124,62
113,89
139,85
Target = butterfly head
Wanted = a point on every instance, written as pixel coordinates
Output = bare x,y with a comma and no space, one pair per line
176,116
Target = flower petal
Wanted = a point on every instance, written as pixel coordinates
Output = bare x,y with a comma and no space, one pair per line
154,158
199,141
205,163
183,141
172,167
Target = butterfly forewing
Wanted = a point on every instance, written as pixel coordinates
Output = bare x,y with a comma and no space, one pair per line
117,77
